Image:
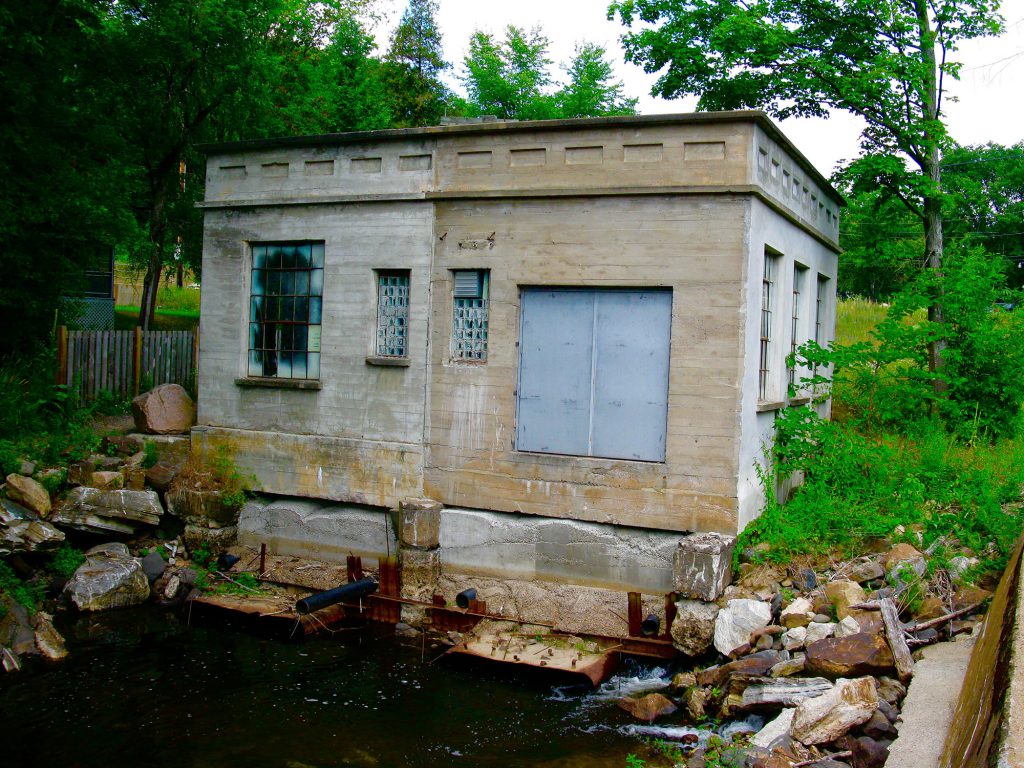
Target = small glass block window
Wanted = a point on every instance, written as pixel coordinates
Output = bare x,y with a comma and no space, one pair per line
392,314
285,310
469,324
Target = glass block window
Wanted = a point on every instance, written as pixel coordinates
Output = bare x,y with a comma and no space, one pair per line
392,314
285,310
469,324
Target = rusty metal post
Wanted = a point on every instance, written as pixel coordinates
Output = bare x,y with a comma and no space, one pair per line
263,558
354,567
62,355
636,617
670,614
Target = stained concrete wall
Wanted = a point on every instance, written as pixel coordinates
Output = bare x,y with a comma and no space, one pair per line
473,543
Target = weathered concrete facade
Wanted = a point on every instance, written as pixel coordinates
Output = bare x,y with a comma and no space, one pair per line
686,206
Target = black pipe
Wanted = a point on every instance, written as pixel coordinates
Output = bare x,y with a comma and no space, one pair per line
649,627
353,591
464,597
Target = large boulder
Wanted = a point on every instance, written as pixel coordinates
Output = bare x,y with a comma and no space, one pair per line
693,628
755,665
164,410
90,509
648,707
109,578
737,621
827,717
28,493
854,655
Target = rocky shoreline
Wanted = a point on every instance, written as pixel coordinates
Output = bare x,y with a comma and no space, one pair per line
822,651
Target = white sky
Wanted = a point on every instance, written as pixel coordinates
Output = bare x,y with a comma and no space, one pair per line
989,108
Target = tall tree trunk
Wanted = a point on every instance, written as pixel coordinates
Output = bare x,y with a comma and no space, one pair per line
157,236
932,168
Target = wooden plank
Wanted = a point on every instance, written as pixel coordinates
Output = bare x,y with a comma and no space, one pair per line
136,360
897,640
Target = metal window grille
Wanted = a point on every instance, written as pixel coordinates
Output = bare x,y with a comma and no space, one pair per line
470,320
285,310
766,327
392,314
794,328
819,313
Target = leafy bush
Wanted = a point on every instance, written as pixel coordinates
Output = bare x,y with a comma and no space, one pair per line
28,594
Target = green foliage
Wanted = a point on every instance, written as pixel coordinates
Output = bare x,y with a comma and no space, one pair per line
54,482
511,78
234,486
66,560
202,557
632,761
414,63
152,454
28,594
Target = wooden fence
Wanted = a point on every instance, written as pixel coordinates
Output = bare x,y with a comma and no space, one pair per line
120,361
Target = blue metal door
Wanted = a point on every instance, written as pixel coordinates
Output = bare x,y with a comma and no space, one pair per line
593,372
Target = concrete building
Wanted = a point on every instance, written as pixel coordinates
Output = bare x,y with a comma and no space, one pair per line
582,321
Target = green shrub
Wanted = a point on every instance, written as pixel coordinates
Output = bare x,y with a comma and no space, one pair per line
28,594
66,560
152,454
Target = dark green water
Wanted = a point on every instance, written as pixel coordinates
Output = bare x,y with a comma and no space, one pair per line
140,689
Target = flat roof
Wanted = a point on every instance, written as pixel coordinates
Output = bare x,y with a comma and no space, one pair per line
526,126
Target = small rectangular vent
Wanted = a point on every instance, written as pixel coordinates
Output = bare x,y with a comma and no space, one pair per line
467,284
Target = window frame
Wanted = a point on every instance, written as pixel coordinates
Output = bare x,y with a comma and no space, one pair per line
255,364
399,311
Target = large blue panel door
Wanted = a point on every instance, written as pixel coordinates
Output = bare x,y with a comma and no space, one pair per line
593,372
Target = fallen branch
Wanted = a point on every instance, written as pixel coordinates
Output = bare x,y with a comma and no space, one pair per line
897,641
870,605
238,584
833,756
943,619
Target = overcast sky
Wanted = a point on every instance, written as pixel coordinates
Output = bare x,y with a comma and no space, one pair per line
990,106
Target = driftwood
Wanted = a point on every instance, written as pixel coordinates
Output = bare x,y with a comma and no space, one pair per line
897,641
943,619
783,692
870,605
834,755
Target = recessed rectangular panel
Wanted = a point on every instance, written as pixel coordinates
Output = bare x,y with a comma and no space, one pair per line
232,171
518,158
584,155
555,368
319,167
704,150
474,159
365,164
274,170
642,153
632,336
415,162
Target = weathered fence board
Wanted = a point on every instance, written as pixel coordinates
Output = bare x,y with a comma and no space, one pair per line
121,362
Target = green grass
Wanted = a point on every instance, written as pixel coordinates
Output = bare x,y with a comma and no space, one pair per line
126,318
857,317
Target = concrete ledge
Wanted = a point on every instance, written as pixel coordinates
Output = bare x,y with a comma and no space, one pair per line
514,546
327,532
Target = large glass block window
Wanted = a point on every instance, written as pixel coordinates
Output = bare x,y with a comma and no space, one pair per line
392,314
285,310
469,326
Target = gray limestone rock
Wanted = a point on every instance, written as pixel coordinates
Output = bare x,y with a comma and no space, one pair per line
702,567
693,629
90,509
109,578
737,621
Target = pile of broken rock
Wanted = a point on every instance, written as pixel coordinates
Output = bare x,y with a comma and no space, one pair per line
824,656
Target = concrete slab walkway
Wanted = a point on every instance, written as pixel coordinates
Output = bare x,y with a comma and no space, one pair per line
928,708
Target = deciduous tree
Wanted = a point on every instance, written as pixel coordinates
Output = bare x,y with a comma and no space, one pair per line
884,60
